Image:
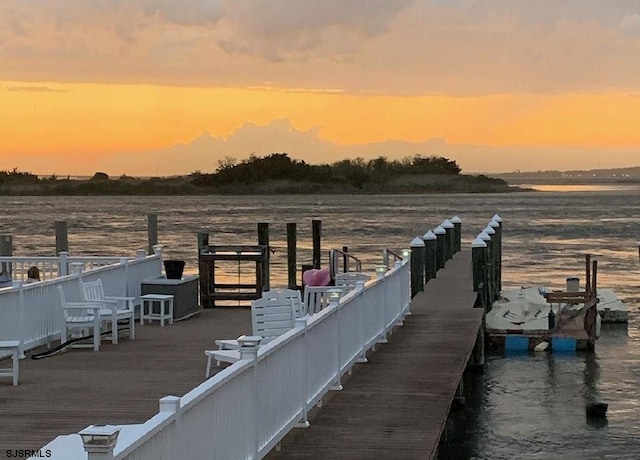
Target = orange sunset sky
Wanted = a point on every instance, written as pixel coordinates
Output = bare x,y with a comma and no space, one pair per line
160,87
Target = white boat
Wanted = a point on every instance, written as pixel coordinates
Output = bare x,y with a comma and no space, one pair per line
527,310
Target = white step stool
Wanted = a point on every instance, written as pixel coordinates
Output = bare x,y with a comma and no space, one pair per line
14,347
166,308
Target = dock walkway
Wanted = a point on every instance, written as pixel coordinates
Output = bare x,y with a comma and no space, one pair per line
397,404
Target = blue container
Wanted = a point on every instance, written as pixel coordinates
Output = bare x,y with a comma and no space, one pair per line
563,344
516,343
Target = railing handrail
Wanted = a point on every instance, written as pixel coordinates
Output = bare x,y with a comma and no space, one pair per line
333,261
386,252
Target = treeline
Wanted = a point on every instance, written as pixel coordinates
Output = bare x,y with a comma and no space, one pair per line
275,173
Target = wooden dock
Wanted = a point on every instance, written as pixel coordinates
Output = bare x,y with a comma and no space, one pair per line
394,406
397,404
119,384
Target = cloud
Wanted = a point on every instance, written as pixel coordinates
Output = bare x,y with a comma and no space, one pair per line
35,89
203,153
405,47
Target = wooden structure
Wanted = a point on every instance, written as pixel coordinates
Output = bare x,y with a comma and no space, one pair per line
212,290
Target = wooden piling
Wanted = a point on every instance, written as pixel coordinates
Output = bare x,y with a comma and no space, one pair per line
493,261
488,271
292,241
345,259
417,266
62,240
152,231
499,232
263,240
316,228
6,250
203,269
441,235
478,262
457,232
430,255
448,227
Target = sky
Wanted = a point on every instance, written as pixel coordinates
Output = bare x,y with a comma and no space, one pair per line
160,87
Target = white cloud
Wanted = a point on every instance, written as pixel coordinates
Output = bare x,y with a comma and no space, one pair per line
630,24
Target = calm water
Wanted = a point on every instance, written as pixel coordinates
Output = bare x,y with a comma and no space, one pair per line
520,406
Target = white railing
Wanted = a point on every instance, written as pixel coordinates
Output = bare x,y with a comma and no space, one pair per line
246,409
31,313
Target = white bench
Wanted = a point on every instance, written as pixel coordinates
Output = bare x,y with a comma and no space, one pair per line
14,347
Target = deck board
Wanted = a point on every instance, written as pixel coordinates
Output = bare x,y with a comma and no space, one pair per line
397,404
120,384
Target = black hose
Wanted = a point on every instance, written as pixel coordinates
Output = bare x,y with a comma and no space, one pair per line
62,346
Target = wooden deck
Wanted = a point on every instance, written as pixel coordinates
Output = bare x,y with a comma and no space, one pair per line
397,404
117,385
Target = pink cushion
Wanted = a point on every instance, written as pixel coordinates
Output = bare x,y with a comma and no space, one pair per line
316,277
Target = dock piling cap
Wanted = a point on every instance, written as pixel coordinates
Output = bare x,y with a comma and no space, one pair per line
478,243
431,236
497,218
494,224
456,220
447,224
439,230
484,236
417,242
489,230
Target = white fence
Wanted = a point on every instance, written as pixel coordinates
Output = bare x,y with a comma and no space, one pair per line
31,313
246,409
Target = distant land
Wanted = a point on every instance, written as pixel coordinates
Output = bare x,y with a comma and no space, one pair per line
629,175
274,174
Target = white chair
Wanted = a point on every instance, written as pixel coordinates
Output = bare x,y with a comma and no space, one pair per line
350,279
82,316
113,309
270,317
316,298
292,294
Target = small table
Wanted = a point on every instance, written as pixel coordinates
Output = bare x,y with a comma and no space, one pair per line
166,308
14,347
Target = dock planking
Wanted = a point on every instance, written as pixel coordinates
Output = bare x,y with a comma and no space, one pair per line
397,404
120,384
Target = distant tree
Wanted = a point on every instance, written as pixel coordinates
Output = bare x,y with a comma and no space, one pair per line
100,177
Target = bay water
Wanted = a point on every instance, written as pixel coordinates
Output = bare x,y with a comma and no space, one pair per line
520,406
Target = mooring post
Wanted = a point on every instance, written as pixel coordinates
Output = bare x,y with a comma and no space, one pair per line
263,240
477,356
62,240
152,231
457,233
496,218
448,227
316,228
487,272
493,258
206,275
441,239
430,255
417,266
345,259
6,250
292,242
478,257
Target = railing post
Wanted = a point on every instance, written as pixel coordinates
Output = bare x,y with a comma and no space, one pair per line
292,242
301,323
172,405
249,350
417,266
457,231
430,255
141,254
334,301
152,231
6,250
22,322
448,227
63,263
99,441
62,240
441,235
360,287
